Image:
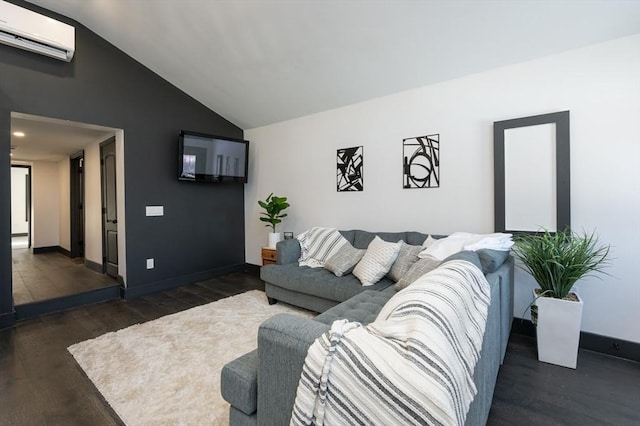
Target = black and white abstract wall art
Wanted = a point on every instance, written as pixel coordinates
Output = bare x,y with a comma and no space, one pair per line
349,169
421,162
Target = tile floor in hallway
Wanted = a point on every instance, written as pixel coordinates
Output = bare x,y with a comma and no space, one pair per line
43,276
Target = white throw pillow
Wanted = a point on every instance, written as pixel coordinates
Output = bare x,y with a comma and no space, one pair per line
443,248
428,242
319,244
377,261
458,241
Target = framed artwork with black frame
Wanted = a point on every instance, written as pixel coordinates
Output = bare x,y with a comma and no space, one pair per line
421,162
349,167
532,189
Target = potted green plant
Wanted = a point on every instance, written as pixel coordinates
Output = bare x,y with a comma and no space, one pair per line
273,206
557,261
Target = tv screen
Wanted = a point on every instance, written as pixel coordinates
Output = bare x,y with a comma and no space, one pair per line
208,158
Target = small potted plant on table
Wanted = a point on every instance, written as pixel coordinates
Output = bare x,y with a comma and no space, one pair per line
557,261
273,206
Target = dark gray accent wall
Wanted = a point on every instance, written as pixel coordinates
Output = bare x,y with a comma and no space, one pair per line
6,297
202,230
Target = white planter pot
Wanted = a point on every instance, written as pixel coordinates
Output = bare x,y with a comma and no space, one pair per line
274,237
558,330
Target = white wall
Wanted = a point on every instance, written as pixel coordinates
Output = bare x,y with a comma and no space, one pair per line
50,208
64,204
46,204
19,224
599,84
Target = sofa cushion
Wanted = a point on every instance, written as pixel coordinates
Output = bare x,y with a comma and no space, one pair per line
316,281
418,269
492,259
344,260
288,251
362,308
349,235
416,238
407,256
467,255
377,261
362,239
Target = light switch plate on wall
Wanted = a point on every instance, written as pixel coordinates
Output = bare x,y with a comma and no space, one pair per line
155,210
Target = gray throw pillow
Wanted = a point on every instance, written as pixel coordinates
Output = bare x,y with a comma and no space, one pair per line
418,269
344,260
407,256
466,255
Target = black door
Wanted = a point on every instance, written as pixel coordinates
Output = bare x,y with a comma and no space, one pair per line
77,204
109,207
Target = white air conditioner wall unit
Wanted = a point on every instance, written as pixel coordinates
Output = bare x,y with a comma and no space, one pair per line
22,28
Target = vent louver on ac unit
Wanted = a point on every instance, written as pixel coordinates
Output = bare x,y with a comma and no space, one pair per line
22,28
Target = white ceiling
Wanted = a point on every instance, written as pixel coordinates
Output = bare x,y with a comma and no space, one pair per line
48,139
257,62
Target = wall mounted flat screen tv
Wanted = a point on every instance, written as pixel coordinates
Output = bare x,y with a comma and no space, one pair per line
208,158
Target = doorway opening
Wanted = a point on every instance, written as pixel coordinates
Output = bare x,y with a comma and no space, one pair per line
65,250
76,184
20,206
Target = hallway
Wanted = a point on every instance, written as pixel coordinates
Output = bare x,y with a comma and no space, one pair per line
49,275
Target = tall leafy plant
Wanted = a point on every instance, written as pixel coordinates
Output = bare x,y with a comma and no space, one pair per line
273,206
557,260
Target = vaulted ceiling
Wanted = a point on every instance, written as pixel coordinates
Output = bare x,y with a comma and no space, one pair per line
257,62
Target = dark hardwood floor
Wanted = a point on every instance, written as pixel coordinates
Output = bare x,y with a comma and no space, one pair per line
602,390
40,383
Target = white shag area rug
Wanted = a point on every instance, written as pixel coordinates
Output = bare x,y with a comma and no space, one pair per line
167,371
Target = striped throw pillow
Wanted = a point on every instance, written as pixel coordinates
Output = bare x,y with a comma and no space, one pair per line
319,244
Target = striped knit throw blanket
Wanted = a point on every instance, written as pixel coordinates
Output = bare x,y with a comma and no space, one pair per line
412,366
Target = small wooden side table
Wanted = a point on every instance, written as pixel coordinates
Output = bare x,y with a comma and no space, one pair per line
269,256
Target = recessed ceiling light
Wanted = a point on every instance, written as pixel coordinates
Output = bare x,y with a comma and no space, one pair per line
18,134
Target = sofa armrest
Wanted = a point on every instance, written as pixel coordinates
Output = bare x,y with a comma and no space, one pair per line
283,342
288,251
504,276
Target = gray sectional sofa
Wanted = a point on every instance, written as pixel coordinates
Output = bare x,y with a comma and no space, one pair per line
261,385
